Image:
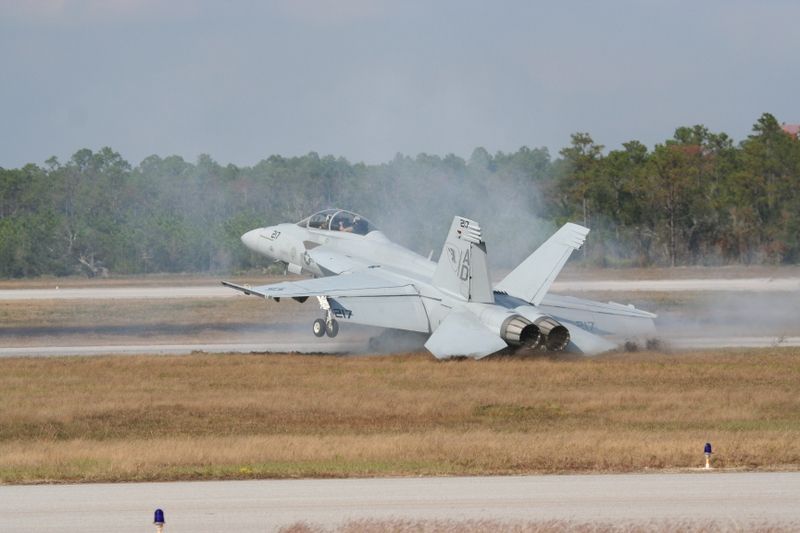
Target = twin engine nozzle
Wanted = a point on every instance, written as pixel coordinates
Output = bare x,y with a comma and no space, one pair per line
545,333
542,332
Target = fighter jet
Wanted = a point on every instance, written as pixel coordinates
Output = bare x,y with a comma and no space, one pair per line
362,277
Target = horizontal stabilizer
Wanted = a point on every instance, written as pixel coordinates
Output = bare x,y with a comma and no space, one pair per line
461,334
559,302
581,341
532,279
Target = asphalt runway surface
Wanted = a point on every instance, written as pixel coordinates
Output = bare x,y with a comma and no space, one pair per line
182,349
738,501
331,348
679,332
213,291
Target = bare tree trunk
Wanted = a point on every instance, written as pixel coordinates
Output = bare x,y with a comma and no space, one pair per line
672,237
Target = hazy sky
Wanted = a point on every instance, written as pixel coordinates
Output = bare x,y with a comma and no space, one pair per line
242,80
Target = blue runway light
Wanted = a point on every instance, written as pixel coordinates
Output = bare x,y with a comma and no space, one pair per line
707,449
158,518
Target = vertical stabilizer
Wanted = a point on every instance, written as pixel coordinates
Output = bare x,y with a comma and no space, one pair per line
463,270
531,280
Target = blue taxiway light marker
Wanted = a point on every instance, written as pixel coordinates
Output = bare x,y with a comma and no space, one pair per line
158,517
707,451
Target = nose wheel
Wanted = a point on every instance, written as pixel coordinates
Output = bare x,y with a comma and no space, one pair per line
323,327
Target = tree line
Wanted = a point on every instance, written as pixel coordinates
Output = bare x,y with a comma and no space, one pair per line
697,198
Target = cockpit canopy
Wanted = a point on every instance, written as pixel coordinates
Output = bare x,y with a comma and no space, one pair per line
338,220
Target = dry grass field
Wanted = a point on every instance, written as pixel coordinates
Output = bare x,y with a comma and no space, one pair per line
255,416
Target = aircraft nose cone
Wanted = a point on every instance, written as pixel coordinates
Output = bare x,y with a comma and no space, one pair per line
250,239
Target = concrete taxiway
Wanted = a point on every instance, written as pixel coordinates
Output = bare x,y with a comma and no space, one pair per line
738,501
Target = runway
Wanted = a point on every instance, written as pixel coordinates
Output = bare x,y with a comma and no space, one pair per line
320,347
214,291
325,346
118,293
718,322
732,342
737,501
683,285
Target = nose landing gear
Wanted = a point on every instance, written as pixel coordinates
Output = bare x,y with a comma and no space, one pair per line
327,326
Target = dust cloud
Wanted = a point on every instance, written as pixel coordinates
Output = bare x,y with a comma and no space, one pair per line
729,315
416,210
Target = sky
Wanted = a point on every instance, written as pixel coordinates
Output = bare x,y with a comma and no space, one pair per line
365,80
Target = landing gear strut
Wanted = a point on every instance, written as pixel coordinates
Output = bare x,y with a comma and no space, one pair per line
327,326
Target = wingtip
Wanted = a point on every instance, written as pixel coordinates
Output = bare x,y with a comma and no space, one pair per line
574,234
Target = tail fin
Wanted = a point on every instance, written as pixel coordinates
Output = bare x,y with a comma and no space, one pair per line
532,278
463,270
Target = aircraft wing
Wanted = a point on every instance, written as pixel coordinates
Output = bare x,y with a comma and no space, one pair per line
363,283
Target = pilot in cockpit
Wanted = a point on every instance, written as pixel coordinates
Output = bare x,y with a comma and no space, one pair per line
344,227
359,225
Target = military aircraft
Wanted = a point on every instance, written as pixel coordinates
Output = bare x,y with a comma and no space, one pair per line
362,277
